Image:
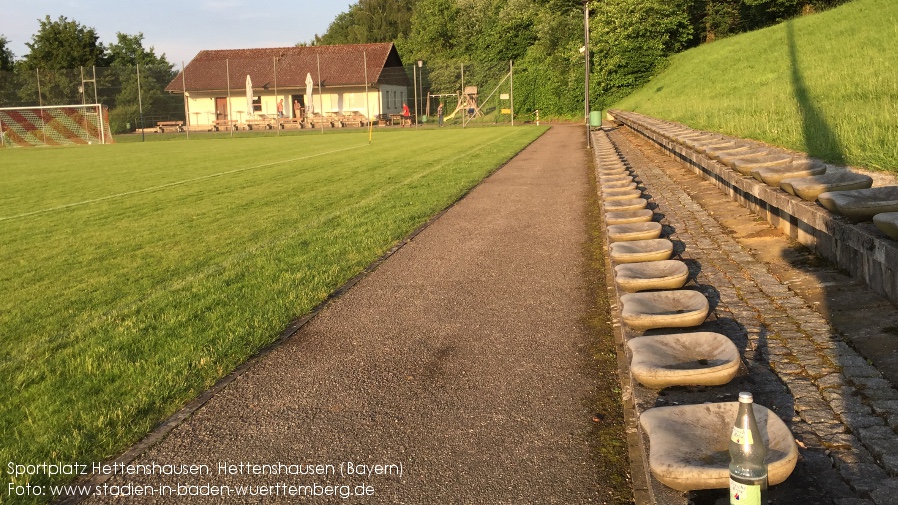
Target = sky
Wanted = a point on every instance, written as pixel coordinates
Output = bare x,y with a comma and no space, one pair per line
178,28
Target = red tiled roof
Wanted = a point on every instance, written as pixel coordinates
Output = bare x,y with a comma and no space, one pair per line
341,65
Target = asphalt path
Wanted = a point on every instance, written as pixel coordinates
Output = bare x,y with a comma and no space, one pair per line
458,371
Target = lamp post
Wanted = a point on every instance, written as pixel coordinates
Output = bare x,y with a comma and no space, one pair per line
420,83
586,69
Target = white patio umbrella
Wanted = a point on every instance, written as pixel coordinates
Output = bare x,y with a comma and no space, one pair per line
310,87
249,96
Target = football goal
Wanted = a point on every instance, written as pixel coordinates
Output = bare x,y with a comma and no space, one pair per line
54,125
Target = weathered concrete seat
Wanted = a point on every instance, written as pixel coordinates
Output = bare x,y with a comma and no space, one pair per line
611,196
694,135
638,251
745,165
683,359
861,204
633,231
773,175
609,171
630,204
629,216
679,308
689,444
663,274
619,189
676,134
605,180
704,140
808,188
722,143
611,180
752,154
736,150
887,222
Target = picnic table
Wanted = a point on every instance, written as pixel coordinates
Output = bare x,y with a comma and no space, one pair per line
354,119
318,121
218,124
161,126
283,122
260,123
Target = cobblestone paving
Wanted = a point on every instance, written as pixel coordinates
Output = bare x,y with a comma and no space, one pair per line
841,410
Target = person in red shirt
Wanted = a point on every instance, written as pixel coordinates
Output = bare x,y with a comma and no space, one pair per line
406,115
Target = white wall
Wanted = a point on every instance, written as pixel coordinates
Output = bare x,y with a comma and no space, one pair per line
346,100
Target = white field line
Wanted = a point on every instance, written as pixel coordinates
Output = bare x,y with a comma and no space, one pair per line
171,184
88,321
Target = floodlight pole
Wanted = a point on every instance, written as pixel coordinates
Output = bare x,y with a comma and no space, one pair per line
511,88
415,86
186,100
228,107
367,105
96,98
140,105
586,69
320,97
465,113
277,119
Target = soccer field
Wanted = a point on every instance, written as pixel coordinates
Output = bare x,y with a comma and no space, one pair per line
136,275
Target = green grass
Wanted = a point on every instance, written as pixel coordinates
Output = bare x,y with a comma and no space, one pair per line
824,84
136,275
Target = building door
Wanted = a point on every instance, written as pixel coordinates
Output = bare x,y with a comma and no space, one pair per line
302,104
221,108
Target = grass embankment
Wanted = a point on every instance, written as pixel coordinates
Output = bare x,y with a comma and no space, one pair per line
136,275
824,84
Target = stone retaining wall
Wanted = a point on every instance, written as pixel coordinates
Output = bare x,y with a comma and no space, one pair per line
861,249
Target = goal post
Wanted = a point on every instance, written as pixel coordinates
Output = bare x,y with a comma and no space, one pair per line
54,125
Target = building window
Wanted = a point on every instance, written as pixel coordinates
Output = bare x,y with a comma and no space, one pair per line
257,104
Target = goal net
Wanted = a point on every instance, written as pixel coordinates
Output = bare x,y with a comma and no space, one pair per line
54,125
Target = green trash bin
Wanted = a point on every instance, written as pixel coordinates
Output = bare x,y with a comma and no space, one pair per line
595,118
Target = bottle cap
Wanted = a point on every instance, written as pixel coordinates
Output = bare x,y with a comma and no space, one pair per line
745,397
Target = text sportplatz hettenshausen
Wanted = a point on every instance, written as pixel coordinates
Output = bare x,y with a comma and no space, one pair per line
191,482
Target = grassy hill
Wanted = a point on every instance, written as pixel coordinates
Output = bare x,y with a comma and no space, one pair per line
825,84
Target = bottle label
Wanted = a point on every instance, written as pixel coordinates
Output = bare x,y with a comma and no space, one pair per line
741,436
744,494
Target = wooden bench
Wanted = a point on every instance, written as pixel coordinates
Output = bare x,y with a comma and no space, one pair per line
258,123
319,121
354,120
283,122
178,126
220,124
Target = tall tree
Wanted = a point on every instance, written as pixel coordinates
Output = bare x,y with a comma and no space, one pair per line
370,21
56,54
64,44
128,51
632,39
128,56
7,78
6,57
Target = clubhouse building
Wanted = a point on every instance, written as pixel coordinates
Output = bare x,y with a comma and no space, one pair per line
242,86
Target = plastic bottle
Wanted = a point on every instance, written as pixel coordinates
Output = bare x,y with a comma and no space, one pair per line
748,470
